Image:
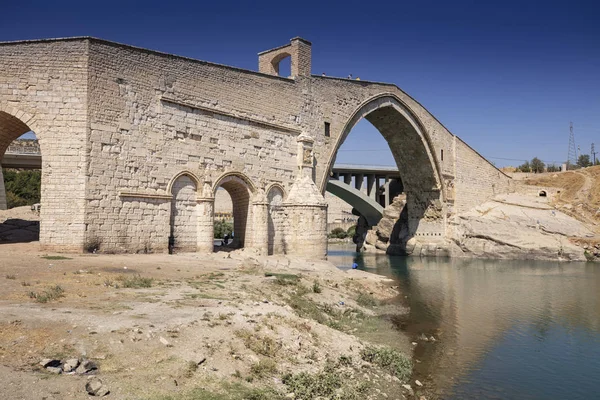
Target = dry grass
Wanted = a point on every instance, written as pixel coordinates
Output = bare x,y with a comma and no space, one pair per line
570,182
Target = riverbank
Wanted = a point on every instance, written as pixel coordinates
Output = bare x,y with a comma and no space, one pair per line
223,326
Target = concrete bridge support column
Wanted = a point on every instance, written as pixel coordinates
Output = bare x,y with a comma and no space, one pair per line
358,181
3,203
347,178
306,235
372,187
205,212
260,224
387,191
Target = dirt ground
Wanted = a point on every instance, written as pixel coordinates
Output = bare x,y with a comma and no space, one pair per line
189,326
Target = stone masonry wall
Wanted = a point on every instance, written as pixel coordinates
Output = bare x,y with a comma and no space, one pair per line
117,124
43,85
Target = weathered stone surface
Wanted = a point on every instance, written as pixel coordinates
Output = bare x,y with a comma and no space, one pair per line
519,227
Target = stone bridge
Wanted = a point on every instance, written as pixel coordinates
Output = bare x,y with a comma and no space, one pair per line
135,143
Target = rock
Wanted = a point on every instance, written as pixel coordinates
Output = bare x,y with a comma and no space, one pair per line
95,387
518,227
54,370
86,366
70,365
165,342
418,383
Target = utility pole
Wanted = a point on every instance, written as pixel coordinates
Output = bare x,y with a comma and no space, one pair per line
593,155
572,154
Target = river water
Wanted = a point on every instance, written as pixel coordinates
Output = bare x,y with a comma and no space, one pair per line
502,329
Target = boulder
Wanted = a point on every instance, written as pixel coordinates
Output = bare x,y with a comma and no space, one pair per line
95,387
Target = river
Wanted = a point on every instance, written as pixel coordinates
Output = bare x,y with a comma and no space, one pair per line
501,329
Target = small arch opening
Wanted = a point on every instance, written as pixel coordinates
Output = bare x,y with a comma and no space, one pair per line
239,192
543,193
282,65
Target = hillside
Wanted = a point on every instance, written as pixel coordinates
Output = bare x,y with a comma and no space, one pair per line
579,195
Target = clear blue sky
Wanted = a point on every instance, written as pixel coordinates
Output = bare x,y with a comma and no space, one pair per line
507,77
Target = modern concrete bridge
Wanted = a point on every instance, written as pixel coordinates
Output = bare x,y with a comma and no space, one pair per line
367,188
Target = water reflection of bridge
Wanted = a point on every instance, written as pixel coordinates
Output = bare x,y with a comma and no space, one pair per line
477,307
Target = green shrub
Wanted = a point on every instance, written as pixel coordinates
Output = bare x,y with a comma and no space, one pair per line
366,300
264,368
393,361
52,293
135,281
316,288
338,233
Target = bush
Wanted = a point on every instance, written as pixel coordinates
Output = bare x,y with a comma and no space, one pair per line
393,361
53,293
338,233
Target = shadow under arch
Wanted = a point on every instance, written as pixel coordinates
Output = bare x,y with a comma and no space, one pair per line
415,157
240,189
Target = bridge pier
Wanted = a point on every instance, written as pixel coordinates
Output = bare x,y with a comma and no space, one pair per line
372,187
205,208
260,224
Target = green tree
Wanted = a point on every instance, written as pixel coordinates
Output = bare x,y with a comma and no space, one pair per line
222,228
552,168
584,160
525,167
22,187
537,165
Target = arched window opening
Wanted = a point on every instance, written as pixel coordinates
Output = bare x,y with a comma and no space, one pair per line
543,193
282,65
285,67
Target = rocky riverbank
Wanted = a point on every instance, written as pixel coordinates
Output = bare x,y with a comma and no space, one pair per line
510,226
223,326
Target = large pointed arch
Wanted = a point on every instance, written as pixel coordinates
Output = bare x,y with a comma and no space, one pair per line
407,138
